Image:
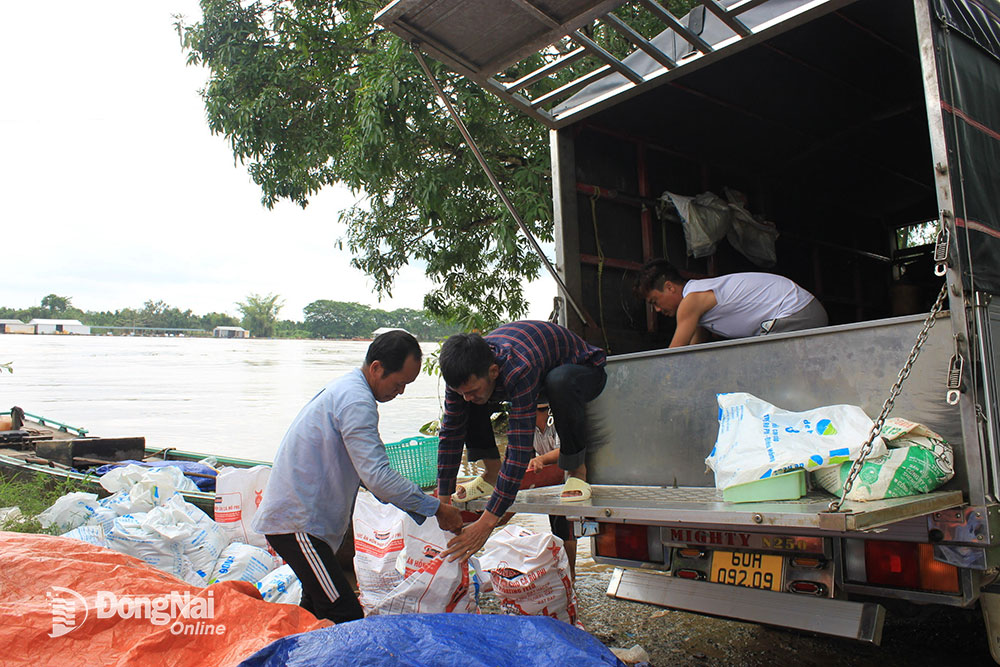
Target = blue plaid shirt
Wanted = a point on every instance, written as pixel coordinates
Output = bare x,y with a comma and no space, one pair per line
525,351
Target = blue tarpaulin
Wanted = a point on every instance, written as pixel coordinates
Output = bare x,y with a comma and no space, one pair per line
203,483
469,640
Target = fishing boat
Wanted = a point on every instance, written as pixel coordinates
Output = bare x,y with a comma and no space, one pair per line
31,445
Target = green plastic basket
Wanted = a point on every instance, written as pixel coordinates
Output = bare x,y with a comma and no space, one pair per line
415,458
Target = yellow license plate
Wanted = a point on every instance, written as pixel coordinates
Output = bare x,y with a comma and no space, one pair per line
747,569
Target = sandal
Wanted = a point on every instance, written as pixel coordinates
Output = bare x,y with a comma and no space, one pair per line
575,484
474,489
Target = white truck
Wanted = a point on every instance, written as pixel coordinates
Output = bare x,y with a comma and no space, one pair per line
862,129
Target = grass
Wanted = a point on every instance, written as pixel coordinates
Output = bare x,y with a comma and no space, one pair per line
33,495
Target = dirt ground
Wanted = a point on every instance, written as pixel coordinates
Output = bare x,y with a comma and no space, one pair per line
911,636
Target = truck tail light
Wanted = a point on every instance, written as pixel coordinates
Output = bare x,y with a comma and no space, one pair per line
908,565
935,575
689,573
807,588
618,540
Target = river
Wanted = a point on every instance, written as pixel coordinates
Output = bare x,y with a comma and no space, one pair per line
218,396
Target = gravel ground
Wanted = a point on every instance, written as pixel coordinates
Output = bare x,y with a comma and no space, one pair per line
945,637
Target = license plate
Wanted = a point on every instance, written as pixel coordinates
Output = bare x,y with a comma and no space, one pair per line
747,569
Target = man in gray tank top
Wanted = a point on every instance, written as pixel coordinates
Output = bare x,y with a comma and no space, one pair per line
738,305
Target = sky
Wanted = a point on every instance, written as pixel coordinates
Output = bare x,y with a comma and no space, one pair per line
114,192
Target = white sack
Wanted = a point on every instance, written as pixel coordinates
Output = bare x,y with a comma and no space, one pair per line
69,511
757,440
281,586
89,534
146,487
243,562
530,573
431,584
238,492
378,543
176,537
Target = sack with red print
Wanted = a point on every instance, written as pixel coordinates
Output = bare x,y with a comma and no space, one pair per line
238,492
530,573
431,585
378,544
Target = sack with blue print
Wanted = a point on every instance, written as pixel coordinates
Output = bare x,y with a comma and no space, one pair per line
758,440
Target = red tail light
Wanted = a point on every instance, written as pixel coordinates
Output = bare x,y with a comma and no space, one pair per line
807,587
617,540
688,573
908,565
892,564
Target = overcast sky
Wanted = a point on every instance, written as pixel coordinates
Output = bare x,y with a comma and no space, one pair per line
114,191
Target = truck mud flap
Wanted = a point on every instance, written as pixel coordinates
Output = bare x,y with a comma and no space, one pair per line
704,506
836,618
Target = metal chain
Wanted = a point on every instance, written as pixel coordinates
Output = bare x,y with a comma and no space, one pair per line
904,373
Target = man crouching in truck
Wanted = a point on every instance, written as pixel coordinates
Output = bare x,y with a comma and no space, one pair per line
513,363
739,305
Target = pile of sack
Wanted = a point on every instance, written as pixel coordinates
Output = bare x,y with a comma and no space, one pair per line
147,517
400,570
758,440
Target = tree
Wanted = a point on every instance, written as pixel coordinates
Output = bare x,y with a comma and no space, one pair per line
56,304
312,94
260,314
337,319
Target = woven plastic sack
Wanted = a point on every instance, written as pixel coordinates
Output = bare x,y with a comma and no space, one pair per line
431,584
238,493
281,586
757,440
918,461
70,511
243,562
530,573
378,543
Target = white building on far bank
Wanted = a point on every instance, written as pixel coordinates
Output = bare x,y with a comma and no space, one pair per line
44,326
16,326
230,332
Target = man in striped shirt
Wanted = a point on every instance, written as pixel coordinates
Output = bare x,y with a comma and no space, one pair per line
516,363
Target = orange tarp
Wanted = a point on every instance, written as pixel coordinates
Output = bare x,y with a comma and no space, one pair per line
66,602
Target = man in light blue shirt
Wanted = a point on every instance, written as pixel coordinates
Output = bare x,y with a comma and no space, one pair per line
329,450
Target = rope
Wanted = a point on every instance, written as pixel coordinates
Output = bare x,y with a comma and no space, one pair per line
600,273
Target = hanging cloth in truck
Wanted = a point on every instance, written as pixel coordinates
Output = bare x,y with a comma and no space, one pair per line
753,238
707,219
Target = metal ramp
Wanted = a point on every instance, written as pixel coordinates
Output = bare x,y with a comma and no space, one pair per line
704,505
561,60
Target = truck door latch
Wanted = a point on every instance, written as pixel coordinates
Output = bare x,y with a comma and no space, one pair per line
941,245
955,368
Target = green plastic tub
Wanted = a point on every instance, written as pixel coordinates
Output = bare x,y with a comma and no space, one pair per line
415,459
790,486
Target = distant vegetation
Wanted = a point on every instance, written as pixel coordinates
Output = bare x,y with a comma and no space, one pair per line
323,318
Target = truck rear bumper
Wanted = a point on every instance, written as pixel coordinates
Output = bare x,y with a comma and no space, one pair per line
837,618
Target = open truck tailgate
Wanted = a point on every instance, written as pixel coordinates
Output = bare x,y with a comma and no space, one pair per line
704,505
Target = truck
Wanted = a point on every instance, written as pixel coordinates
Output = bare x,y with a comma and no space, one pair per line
864,135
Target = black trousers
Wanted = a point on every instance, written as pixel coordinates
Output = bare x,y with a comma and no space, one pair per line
568,389
325,590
